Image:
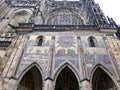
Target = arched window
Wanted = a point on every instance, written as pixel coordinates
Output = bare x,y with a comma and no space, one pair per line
92,42
40,41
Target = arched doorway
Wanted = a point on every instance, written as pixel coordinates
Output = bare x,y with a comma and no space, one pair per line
102,81
32,80
66,80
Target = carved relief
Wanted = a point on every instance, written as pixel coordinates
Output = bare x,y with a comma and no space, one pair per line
20,17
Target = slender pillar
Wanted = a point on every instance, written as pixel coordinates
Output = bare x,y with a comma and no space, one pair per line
48,85
118,88
85,85
12,85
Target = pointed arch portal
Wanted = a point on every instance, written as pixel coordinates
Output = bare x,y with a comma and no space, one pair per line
66,80
102,81
32,80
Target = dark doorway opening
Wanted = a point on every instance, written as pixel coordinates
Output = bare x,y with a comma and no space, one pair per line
40,42
32,80
66,80
102,81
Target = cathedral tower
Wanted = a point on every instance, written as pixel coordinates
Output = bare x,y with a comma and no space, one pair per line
58,45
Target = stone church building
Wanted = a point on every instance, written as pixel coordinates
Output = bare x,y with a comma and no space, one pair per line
58,45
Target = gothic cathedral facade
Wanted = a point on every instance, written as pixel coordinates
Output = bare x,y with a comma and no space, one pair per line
58,45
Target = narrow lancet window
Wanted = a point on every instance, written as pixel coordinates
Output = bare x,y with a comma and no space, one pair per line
40,42
92,42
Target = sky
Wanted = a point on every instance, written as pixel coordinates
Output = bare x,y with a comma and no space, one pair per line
109,7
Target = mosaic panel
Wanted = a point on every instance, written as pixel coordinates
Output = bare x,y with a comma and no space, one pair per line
57,62
85,44
34,54
31,43
47,43
93,59
66,41
74,62
103,59
66,54
66,51
47,40
100,42
84,41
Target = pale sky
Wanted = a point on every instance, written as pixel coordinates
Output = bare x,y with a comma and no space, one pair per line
109,7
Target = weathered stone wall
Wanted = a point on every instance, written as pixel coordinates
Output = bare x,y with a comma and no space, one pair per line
113,44
60,49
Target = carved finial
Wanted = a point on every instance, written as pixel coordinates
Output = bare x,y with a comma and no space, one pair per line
65,2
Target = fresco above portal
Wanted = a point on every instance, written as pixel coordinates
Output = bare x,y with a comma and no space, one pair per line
66,41
36,54
93,57
66,51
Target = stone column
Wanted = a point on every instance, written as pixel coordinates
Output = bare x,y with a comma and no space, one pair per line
8,84
118,86
85,85
12,85
48,85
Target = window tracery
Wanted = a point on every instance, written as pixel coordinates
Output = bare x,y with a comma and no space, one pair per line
64,17
20,17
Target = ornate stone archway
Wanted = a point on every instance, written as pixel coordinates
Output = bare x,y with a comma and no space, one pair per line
31,80
101,80
20,16
66,80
